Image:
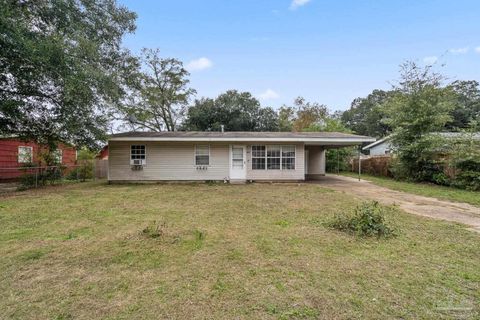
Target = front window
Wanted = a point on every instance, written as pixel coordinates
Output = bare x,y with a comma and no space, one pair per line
25,154
288,157
202,155
258,157
273,157
57,156
137,154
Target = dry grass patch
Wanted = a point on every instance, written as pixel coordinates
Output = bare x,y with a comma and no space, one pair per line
219,251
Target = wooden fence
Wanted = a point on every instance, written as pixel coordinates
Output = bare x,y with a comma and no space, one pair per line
374,165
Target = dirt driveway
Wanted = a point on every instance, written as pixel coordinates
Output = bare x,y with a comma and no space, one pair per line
420,205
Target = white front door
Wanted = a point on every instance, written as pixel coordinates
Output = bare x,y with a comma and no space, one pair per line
238,162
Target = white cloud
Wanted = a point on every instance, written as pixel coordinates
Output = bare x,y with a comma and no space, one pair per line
477,49
269,94
430,60
298,3
199,64
459,50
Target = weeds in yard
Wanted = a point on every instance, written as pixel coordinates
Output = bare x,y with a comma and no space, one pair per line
282,223
155,230
33,254
366,220
199,237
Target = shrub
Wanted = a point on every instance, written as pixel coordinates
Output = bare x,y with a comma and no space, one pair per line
366,220
441,179
83,172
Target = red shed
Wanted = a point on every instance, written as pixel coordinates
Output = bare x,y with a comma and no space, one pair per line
15,153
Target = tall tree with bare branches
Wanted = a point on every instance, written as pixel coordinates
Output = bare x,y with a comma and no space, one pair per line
160,102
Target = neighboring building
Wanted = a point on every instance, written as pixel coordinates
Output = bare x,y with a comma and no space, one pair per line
15,153
379,148
383,146
103,154
227,156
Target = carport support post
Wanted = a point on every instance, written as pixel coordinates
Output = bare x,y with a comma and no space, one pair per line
359,165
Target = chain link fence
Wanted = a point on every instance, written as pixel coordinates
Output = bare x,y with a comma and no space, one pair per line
27,177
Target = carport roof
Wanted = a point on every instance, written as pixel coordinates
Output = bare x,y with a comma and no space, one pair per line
320,138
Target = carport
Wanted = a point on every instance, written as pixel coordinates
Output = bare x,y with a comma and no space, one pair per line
315,152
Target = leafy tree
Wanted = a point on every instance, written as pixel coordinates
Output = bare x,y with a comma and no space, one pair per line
366,116
301,115
467,104
267,120
420,105
308,114
237,111
336,159
464,157
161,99
62,68
286,117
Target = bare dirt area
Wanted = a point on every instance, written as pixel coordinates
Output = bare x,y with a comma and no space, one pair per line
424,206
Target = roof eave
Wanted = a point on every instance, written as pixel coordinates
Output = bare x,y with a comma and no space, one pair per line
259,139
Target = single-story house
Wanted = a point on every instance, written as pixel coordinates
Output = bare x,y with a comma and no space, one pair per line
380,147
384,147
222,156
16,154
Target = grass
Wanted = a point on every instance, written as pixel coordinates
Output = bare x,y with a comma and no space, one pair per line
423,189
258,251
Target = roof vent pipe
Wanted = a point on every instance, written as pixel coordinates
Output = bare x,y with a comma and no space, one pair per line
222,128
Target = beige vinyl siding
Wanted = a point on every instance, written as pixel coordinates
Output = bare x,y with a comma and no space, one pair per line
316,160
167,161
297,174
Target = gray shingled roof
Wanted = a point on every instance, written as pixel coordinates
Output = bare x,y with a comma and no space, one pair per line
239,134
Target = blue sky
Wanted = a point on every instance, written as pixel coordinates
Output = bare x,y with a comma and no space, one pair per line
326,51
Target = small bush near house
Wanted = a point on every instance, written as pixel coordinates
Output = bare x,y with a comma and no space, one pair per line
366,220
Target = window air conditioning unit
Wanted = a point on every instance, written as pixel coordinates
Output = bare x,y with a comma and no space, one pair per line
137,162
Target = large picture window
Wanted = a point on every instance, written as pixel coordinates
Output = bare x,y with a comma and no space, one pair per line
273,157
202,155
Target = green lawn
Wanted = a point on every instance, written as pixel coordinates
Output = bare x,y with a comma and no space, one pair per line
423,189
256,251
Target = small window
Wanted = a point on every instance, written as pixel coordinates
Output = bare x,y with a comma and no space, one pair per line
258,157
25,154
137,152
57,156
387,151
202,155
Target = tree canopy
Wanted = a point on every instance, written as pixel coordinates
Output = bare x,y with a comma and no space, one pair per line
366,116
467,104
159,100
420,105
62,68
237,111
